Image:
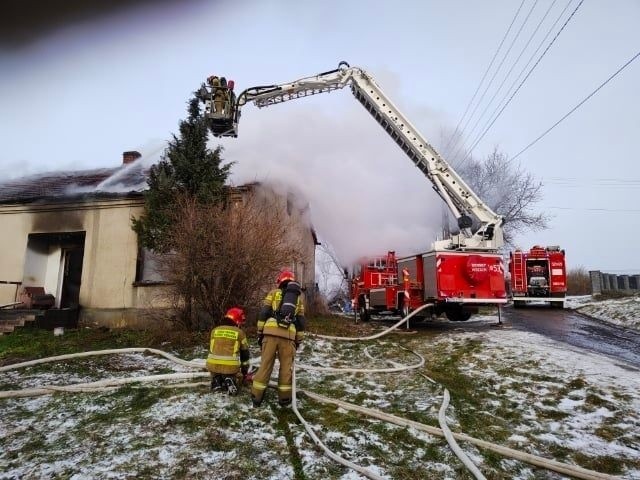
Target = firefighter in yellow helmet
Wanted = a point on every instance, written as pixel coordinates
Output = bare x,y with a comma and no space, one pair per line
228,359
280,332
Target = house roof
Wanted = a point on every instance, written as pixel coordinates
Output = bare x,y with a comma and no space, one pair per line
129,179
102,182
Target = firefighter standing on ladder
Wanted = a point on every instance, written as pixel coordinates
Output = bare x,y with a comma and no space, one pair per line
278,339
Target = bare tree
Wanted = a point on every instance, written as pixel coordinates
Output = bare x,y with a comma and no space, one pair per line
224,254
508,190
333,281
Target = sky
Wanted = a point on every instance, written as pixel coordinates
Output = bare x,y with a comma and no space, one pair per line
78,90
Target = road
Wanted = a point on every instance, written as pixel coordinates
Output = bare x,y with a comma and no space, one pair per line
578,330
565,326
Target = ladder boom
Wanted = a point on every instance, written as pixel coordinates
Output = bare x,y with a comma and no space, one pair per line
453,190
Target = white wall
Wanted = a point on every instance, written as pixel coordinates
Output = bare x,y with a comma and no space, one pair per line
35,264
52,275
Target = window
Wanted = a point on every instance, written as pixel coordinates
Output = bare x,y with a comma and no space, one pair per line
148,266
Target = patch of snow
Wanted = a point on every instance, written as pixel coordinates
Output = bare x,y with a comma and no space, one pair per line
621,311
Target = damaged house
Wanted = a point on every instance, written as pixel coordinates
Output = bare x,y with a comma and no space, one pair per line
68,247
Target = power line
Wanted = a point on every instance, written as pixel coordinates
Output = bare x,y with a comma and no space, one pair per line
615,210
506,77
464,127
527,76
501,103
577,106
607,270
504,37
573,183
621,180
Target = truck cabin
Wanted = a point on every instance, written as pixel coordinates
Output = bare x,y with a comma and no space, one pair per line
538,274
376,271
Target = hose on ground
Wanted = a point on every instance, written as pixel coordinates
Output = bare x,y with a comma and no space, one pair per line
100,385
108,384
464,458
379,334
319,443
186,363
398,367
571,470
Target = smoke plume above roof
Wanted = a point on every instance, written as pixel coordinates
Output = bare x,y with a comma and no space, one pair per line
365,195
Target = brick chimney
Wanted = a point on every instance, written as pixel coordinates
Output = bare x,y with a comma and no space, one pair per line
130,157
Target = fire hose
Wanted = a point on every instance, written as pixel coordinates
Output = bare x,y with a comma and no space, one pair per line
109,384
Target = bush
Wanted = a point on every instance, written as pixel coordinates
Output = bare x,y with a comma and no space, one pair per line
578,281
224,254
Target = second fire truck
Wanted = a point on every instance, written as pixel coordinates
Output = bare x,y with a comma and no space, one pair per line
538,274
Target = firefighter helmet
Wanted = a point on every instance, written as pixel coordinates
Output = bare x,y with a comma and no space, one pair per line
236,315
285,275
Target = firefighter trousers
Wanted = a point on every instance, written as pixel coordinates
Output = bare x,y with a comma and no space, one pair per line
285,351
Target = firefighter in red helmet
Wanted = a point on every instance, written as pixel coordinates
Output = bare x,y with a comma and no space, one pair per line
280,332
228,359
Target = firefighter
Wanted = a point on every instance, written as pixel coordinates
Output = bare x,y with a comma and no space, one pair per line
278,339
228,359
218,93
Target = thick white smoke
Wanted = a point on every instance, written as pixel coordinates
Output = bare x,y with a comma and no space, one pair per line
365,195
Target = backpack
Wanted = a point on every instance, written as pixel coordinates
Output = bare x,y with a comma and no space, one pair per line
287,309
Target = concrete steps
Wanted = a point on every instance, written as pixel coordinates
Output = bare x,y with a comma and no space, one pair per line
12,319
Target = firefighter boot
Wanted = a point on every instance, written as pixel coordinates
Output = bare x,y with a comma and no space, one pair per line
284,402
216,383
230,386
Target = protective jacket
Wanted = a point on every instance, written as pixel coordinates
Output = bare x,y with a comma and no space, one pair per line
277,342
228,350
268,322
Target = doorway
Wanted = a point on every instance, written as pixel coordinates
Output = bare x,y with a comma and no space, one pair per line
71,276
54,261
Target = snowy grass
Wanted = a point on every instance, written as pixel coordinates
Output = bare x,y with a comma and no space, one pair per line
621,311
513,388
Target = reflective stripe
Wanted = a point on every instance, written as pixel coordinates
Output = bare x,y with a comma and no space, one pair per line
284,388
259,386
273,323
223,357
230,363
227,350
230,334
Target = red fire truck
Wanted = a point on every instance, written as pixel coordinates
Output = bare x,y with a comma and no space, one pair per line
451,283
539,274
460,272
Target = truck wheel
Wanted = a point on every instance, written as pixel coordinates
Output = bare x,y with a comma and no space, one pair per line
362,310
458,314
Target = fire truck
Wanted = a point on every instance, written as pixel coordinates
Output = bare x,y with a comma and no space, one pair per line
455,284
458,273
539,274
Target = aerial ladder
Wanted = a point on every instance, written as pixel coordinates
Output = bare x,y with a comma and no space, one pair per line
460,199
